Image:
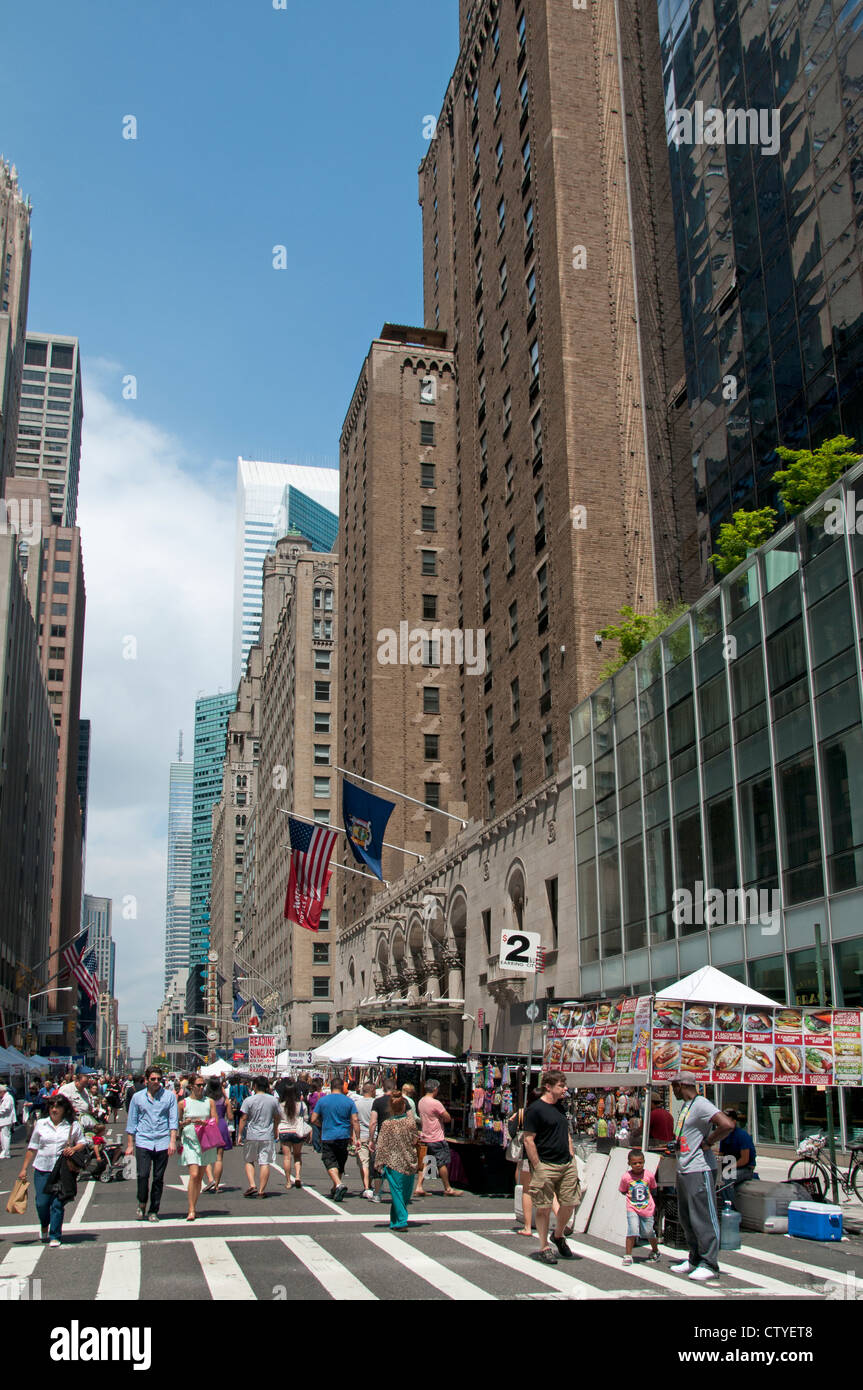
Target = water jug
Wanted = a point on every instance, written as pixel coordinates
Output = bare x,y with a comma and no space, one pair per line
729,1228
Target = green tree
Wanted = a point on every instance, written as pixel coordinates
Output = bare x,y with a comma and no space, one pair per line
809,473
635,629
160,1061
742,534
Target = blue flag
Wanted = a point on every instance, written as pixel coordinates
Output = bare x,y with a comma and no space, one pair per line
239,1004
365,818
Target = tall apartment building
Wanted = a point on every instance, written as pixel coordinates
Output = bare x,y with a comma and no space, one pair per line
28,783
260,497
179,885
15,280
97,920
298,739
211,719
51,416
548,261
232,901
401,680
769,240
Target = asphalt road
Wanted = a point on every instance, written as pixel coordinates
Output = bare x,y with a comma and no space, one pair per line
299,1245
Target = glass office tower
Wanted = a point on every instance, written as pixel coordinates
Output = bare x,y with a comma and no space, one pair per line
211,724
768,244
727,755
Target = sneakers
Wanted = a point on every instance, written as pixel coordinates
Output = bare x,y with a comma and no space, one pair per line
154,1216
375,1197
653,1258
683,1268
54,1243
141,1213
43,1235
562,1248
545,1257
369,1193
340,1193
703,1273
627,1259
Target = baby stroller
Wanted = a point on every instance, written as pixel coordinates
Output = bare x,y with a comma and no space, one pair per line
104,1165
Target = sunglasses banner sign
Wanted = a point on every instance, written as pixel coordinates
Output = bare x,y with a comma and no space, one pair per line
737,1043
262,1051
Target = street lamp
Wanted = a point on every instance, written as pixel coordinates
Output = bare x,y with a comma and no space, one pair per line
64,989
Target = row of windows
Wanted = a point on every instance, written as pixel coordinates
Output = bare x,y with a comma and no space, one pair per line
517,777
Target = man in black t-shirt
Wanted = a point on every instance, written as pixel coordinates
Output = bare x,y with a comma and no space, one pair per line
553,1171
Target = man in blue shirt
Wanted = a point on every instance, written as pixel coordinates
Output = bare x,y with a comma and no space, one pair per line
152,1128
737,1157
337,1115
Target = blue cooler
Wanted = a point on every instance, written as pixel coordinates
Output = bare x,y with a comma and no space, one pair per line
814,1221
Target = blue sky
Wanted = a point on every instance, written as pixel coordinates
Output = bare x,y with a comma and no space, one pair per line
256,127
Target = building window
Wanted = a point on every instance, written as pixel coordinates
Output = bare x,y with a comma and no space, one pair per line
324,924
516,775
322,661
320,986
483,507
431,699
525,157
498,150
426,433
36,354
474,101
536,429
58,629
544,671
432,747
515,699
322,723
432,793
322,690
513,623
483,450
548,753
427,475
61,588
510,552
476,155
502,277
522,34
495,39
54,674
551,894
322,817
428,515
528,222
534,361
486,591
522,92
504,343
489,787
497,98
56,653
319,598
478,267
321,953
429,608
64,545
501,216
507,408
430,652
489,727
322,755
477,209
508,471
542,587
481,393
429,561
320,1024
480,332
531,290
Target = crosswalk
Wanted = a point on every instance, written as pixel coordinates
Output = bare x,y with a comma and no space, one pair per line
442,1264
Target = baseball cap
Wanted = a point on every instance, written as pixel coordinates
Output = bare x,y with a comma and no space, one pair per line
686,1078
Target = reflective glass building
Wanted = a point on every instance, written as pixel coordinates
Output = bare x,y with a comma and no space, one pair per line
729,755
211,725
768,244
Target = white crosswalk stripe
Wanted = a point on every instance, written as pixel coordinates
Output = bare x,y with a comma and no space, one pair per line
16,1267
121,1271
531,1269
224,1277
432,1271
330,1272
752,1282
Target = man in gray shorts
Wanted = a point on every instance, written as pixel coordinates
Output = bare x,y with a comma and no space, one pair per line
258,1132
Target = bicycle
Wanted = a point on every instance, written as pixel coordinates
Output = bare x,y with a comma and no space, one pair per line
815,1171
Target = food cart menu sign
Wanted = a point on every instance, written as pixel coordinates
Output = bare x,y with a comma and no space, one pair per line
609,1037
738,1043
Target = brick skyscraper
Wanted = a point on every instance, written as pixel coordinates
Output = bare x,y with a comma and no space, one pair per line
549,262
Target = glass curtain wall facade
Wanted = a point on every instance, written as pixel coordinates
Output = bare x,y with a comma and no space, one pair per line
727,755
297,512
211,725
768,243
179,868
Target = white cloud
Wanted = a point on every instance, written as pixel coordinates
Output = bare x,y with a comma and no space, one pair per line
157,529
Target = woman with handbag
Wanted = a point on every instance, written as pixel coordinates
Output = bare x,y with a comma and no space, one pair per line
52,1144
224,1113
199,1126
294,1130
516,1154
396,1154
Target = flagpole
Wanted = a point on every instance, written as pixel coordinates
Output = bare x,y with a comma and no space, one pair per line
336,865
340,828
403,795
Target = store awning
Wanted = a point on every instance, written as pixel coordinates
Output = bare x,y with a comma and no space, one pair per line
710,986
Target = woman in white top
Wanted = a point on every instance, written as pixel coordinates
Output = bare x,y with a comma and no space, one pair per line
7,1120
59,1134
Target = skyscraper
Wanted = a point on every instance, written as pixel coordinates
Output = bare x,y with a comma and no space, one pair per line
15,278
97,920
211,722
49,428
83,770
260,494
297,512
768,237
178,905
548,262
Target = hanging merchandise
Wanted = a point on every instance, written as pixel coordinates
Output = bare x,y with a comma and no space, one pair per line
506,1079
478,1098
506,1100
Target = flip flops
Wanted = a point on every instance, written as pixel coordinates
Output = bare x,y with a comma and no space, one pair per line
251,1192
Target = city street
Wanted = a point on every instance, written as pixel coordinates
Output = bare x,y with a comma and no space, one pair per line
300,1246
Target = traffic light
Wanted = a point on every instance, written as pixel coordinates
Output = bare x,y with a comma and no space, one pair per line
185,1027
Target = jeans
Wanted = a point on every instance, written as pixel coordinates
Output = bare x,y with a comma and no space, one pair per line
158,1158
401,1189
50,1208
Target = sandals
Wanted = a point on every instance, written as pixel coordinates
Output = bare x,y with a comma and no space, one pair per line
191,1216
251,1192
211,1187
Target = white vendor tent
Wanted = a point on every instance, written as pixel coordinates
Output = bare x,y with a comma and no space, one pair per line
402,1046
218,1068
710,986
354,1046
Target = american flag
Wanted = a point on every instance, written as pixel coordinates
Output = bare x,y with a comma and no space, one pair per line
76,967
89,961
89,1037
311,848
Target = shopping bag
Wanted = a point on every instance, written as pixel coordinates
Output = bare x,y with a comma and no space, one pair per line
17,1203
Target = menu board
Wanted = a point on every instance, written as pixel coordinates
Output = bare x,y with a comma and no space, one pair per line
606,1037
801,1046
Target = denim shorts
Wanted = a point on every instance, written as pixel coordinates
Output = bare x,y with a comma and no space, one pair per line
637,1225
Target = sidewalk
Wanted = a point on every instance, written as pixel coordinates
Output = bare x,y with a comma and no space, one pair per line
772,1168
